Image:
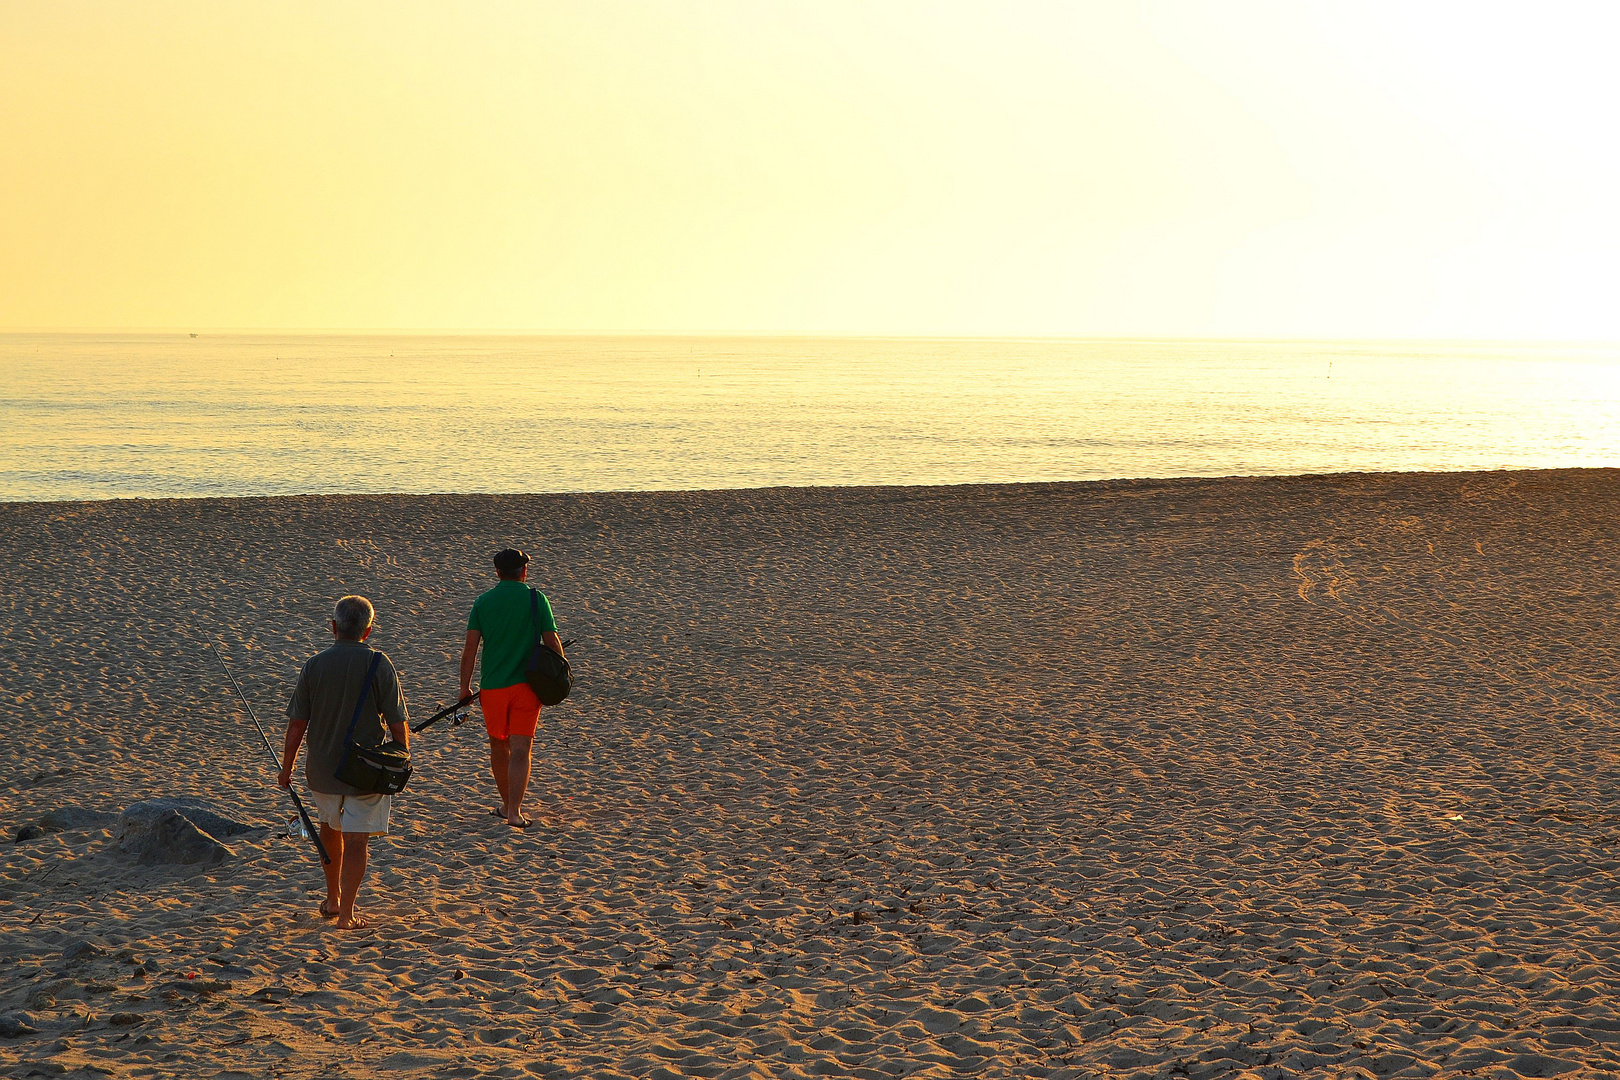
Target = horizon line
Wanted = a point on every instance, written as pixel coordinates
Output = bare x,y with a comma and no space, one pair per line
784,334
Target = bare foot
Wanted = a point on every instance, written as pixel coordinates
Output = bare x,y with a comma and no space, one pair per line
328,912
353,922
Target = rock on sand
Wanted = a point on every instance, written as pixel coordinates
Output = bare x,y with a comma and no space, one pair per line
181,831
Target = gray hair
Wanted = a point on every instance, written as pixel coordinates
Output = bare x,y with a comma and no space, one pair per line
353,616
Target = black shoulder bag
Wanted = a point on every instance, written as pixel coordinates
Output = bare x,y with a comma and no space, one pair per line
374,770
548,674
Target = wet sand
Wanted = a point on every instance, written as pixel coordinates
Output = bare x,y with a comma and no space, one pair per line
1273,777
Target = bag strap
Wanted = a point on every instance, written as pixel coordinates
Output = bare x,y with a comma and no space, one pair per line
534,615
348,738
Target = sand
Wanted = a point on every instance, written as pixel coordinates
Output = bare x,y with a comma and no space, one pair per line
1274,777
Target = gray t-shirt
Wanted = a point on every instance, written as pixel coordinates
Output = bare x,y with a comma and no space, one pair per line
325,695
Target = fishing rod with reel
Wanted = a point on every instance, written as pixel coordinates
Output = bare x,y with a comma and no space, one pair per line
460,711
309,826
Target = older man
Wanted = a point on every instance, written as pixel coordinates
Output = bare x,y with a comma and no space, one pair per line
323,703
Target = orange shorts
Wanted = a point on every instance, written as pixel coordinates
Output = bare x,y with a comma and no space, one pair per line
511,710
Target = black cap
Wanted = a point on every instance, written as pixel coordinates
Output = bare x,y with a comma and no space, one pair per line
510,560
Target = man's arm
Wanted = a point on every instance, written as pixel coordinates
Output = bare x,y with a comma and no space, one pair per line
391,703
469,657
289,750
297,724
553,642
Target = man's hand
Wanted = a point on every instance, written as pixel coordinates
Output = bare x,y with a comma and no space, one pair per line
284,778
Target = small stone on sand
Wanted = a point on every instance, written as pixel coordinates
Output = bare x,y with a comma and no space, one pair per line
81,949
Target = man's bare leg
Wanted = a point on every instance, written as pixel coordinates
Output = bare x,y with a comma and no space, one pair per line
500,767
356,846
334,849
517,778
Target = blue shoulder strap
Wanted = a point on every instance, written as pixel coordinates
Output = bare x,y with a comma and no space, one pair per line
348,739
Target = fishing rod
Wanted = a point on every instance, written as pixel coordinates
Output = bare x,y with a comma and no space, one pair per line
459,709
309,826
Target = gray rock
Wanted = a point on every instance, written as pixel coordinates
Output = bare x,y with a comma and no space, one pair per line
28,832
80,949
64,818
183,831
195,811
170,837
14,1025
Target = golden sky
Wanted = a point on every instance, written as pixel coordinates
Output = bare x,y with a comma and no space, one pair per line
1410,169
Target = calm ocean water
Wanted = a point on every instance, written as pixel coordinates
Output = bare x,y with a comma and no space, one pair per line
100,416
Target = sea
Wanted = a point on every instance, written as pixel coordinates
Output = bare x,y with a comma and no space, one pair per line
110,415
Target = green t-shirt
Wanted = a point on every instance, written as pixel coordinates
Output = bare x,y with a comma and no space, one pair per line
503,617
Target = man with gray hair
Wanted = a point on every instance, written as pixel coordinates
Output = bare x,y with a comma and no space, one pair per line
323,703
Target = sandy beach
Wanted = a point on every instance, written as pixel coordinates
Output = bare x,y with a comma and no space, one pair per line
1203,778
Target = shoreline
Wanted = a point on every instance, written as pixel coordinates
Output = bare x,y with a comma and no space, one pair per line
1127,778
1357,474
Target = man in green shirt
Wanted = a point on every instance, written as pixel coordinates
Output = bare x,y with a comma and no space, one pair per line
507,620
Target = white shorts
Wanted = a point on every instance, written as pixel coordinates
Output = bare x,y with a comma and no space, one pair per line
353,813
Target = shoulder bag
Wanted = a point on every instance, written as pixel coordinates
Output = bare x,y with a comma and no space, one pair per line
548,674
374,770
